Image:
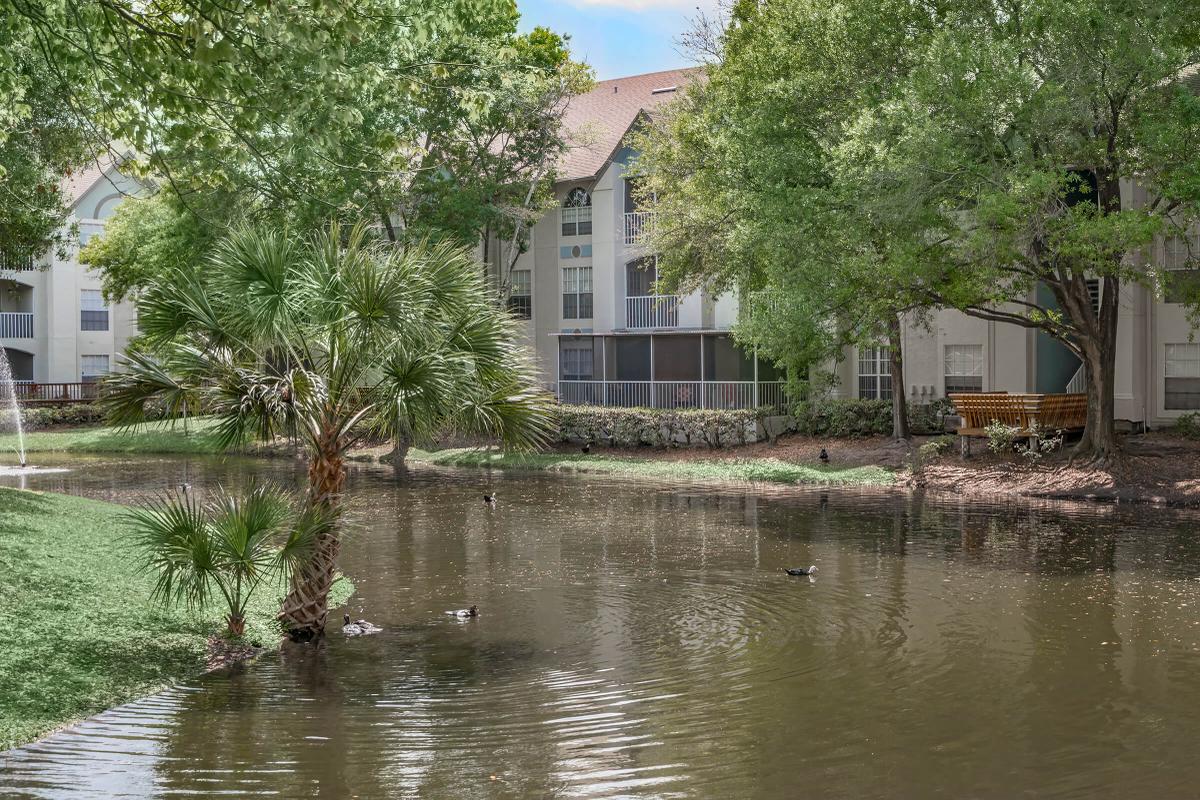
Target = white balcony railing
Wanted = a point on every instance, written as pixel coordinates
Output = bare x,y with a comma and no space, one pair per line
16,325
727,395
638,225
652,311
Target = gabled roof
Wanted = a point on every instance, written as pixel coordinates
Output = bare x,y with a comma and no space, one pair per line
597,121
81,181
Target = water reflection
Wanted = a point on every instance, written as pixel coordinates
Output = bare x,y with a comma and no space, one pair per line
642,641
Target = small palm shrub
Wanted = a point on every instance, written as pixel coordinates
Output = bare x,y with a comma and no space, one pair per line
224,549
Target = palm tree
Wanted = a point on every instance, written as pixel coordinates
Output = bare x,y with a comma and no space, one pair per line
333,339
228,547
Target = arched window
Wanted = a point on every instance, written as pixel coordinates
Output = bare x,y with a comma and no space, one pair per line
577,213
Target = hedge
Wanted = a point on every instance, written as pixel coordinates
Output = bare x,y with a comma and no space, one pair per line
658,427
850,417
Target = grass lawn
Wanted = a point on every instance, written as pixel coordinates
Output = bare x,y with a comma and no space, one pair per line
151,437
769,470
79,631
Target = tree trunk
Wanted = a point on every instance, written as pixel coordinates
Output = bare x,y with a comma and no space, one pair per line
399,453
306,606
1099,441
235,624
900,431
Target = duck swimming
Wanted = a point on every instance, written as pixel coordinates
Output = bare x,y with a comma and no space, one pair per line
800,570
489,500
465,613
359,627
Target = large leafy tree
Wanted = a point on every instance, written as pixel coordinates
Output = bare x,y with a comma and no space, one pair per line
1015,145
41,141
335,338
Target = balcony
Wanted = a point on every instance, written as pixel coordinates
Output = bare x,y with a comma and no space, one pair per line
16,325
638,225
728,395
651,311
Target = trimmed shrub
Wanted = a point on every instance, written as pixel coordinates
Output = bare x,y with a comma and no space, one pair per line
657,427
37,417
1188,425
845,417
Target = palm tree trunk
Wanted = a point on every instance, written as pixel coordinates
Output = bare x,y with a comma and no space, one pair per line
306,606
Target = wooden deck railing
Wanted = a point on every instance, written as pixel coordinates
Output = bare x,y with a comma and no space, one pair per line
31,393
1028,412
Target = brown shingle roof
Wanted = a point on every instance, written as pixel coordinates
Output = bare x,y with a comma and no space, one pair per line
79,182
597,121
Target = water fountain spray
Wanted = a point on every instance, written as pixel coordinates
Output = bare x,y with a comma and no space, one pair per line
8,396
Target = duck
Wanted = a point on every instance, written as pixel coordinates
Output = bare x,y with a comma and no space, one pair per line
824,456
465,613
800,570
587,448
358,627
489,500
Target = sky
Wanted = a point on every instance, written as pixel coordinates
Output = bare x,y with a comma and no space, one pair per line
617,37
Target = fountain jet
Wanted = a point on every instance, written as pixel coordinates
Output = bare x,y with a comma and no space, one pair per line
8,399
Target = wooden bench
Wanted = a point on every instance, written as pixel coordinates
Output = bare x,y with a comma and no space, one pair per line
1030,414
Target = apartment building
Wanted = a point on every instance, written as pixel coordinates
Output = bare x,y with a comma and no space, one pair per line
1157,361
586,284
586,288
55,327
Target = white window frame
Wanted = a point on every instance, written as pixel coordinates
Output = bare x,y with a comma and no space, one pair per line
93,311
520,294
1181,361
574,215
574,279
91,377
962,361
1180,254
877,361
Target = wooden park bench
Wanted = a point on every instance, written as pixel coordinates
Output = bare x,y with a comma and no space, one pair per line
1031,414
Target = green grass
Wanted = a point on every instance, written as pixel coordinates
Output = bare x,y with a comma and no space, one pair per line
767,470
79,632
150,437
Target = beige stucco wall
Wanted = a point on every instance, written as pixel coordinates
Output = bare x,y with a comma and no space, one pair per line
58,343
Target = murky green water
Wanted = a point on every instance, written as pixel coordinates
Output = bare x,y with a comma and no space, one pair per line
642,641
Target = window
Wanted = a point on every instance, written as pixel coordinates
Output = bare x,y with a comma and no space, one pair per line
577,213
576,362
93,313
520,296
92,368
874,373
1181,280
640,277
964,368
1093,287
577,292
1182,377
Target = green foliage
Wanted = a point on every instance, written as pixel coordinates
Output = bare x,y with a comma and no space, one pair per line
853,158
145,240
1001,437
81,633
657,427
936,447
851,417
225,548
1188,425
39,144
38,417
762,470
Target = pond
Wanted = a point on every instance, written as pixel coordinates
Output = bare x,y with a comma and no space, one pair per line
642,641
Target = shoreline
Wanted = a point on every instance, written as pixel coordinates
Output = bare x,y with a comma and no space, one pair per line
1155,469
88,637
